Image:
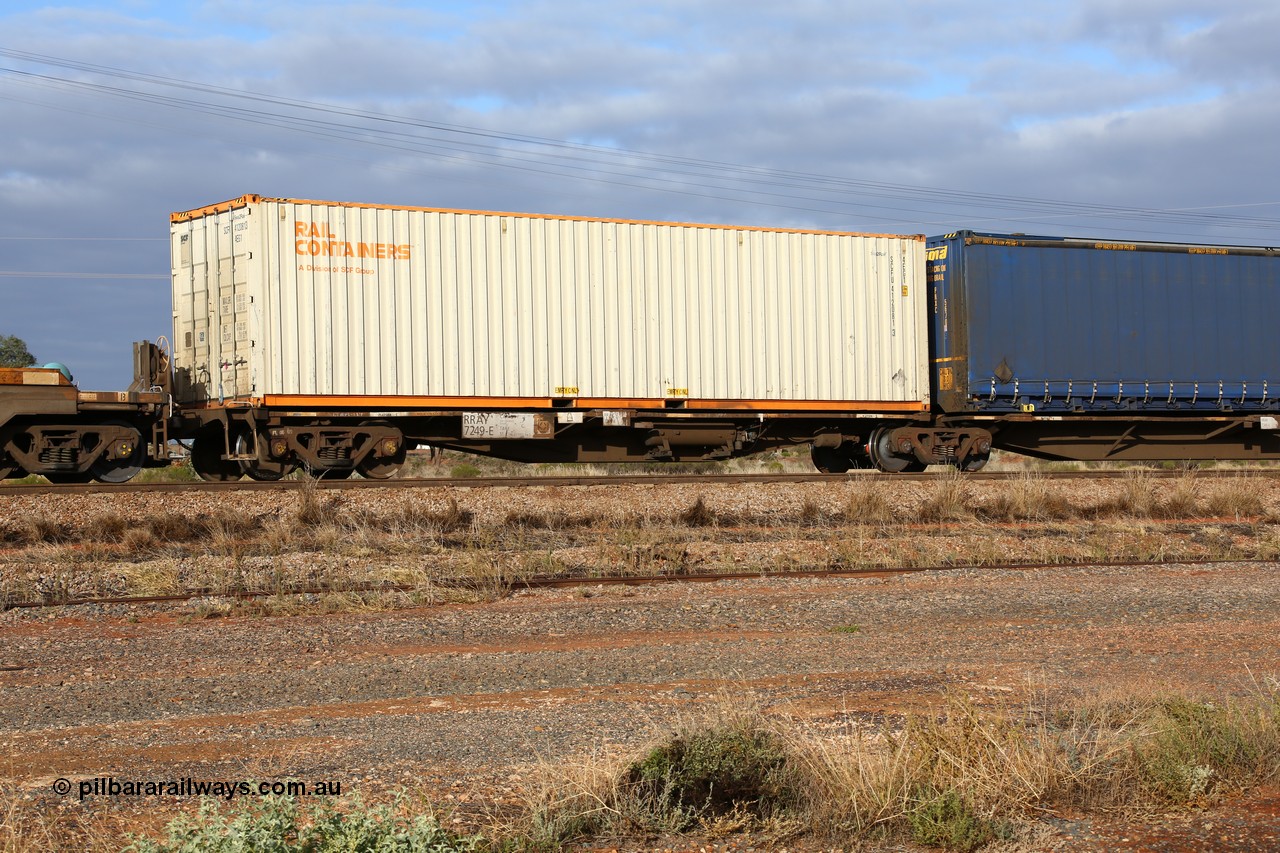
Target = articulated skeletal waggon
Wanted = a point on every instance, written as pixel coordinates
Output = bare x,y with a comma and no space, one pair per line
338,336
49,426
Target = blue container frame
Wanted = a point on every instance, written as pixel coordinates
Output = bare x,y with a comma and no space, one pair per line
1063,325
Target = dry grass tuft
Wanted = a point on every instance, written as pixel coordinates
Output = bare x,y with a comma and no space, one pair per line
410,520
1138,497
106,527
958,779
698,515
545,521
174,528
452,517
22,828
1029,498
567,801
40,530
866,504
1183,500
949,499
1236,497
811,513
312,510
28,827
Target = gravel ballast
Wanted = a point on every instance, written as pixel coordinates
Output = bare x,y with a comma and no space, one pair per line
473,696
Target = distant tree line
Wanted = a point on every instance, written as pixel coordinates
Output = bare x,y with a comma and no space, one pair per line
14,352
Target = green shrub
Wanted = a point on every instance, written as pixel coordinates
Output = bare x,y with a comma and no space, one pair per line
379,829
273,825
177,472
1197,748
947,820
715,771
464,471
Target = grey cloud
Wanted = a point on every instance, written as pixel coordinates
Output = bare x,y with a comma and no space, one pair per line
1096,102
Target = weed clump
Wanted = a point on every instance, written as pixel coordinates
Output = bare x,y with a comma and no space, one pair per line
311,511
949,500
714,772
698,515
278,825
106,527
1198,749
946,819
867,504
1029,498
1237,497
40,529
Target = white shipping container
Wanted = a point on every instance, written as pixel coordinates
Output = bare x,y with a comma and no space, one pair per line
281,300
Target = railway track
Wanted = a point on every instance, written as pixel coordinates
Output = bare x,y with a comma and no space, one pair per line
519,584
597,480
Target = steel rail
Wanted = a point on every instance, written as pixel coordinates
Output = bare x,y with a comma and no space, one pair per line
604,480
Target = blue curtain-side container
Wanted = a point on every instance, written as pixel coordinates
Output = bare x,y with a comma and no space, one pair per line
1044,324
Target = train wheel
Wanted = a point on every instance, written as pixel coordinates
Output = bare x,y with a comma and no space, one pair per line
383,467
121,470
256,469
974,462
880,449
206,457
830,460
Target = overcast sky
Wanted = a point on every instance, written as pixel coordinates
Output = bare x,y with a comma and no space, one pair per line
1143,119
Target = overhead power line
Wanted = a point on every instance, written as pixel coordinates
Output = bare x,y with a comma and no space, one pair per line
103,275
105,239
702,178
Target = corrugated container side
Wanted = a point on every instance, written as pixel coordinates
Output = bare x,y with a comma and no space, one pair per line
1045,324
282,297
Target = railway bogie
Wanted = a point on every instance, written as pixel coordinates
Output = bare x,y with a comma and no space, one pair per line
50,427
227,445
